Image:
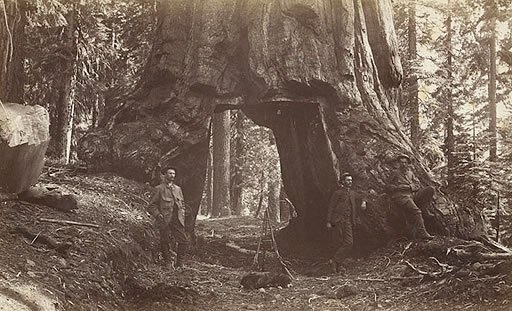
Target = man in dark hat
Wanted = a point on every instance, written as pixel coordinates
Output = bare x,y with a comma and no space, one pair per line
407,195
341,215
167,206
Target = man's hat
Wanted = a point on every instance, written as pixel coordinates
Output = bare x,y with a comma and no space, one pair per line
342,177
403,156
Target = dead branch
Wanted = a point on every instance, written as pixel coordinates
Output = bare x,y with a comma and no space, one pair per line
240,249
445,268
416,269
478,255
41,238
406,248
493,244
68,222
393,278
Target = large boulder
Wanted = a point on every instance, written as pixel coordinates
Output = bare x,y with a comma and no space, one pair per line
24,137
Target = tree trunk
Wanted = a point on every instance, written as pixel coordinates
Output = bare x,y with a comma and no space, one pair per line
209,183
450,139
274,188
492,87
237,165
284,209
62,96
413,85
12,36
221,156
316,73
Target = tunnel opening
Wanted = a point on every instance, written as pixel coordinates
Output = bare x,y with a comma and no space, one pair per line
307,167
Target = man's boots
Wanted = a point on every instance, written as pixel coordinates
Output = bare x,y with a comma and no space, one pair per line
419,231
180,255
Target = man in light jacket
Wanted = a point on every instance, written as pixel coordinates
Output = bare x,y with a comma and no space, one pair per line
167,206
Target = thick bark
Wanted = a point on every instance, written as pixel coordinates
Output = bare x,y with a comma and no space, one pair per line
221,160
12,33
413,84
304,69
450,138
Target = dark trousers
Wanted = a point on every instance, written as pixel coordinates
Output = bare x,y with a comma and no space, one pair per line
172,232
344,230
413,213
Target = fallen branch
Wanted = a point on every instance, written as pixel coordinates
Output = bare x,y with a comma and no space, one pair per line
479,255
393,278
445,268
42,238
240,249
416,269
50,196
68,222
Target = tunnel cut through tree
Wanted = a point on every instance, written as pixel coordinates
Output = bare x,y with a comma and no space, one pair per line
321,74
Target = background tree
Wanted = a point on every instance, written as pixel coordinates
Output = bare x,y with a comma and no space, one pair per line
80,56
454,78
221,164
237,162
12,36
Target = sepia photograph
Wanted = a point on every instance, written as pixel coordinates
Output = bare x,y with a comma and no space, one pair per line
308,155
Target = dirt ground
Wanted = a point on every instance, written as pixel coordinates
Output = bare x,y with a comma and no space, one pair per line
115,266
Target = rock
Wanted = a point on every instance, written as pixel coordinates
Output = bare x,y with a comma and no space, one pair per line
31,263
63,262
254,280
346,291
24,137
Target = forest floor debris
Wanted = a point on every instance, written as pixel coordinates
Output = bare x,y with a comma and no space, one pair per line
116,266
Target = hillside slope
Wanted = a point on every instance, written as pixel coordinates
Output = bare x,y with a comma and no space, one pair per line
115,266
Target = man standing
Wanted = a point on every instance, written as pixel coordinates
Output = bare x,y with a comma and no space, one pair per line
167,206
341,215
407,195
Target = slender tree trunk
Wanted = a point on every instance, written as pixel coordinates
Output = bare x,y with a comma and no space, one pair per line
12,36
413,85
62,126
274,189
492,87
284,210
450,139
221,172
237,165
209,181
261,195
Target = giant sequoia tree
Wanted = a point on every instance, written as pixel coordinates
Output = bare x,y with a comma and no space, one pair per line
320,74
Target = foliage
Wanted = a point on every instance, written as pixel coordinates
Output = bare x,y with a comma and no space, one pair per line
477,181
259,162
112,42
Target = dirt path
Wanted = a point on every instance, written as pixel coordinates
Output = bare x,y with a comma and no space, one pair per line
116,267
